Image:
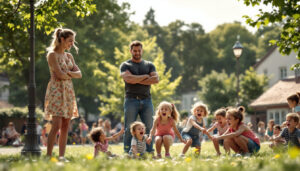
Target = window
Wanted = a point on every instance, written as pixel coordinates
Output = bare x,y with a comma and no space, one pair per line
283,72
277,117
266,71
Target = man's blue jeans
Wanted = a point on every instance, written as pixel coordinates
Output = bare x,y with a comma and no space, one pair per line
133,107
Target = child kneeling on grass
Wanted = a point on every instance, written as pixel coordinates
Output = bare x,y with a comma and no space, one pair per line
291,134
100,140
239,137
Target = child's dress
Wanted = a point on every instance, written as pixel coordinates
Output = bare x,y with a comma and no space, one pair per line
165,129
103,147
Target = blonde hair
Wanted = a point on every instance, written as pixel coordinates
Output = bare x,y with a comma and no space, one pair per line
57,35
172,107
202,105
237,113
134,125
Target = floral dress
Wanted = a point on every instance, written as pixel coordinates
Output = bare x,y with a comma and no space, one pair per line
60,96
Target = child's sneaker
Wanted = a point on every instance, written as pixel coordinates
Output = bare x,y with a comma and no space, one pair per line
158,156
182,156
63,159
167,155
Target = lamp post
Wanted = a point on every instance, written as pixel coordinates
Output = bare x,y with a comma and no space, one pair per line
237,51
31,147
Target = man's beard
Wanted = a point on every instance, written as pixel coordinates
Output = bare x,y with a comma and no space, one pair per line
136,57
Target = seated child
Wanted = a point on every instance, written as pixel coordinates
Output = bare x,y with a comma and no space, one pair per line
239,137
138,141
291,134
100,140
164,127
276,132
221,126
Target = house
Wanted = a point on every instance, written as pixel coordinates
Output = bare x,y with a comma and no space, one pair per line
272,104
187,101
276,66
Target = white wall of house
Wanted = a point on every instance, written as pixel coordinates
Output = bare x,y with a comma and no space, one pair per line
277,67
187,100
277,114
4,93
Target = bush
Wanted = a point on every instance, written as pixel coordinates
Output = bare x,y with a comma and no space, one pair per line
19,112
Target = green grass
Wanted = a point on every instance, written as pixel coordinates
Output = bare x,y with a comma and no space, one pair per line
81,159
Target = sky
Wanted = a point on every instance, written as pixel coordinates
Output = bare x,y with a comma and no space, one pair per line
209,13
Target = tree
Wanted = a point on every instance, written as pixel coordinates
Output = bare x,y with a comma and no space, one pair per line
252,86
224,37
14,37
218,90
113,96
285,12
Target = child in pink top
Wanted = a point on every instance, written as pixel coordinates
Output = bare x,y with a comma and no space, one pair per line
222,126
239,137
100,140
164,127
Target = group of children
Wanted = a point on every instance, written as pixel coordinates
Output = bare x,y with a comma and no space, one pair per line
233,134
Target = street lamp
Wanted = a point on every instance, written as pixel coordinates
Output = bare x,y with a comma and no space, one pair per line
31,147
237,51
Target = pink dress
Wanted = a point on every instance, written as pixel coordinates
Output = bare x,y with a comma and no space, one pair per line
249,134
103,147
164,129
60,96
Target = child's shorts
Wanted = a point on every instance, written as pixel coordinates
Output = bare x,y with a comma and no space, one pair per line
195,138
253,147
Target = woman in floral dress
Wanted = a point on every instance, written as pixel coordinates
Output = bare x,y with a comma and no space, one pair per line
60,101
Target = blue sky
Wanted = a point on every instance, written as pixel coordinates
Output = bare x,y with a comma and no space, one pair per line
209,13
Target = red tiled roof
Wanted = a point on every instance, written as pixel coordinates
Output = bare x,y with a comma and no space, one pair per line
277,94
4,104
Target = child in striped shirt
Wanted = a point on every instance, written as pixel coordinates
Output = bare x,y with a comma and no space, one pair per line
138,141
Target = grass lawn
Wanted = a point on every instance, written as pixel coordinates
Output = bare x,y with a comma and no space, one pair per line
81,158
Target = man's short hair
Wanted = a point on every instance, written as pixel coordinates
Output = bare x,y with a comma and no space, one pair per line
135,43
293,116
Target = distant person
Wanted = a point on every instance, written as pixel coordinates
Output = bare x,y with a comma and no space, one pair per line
12,135
60,100
261,130
270,129
3,139
84,128
138,75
